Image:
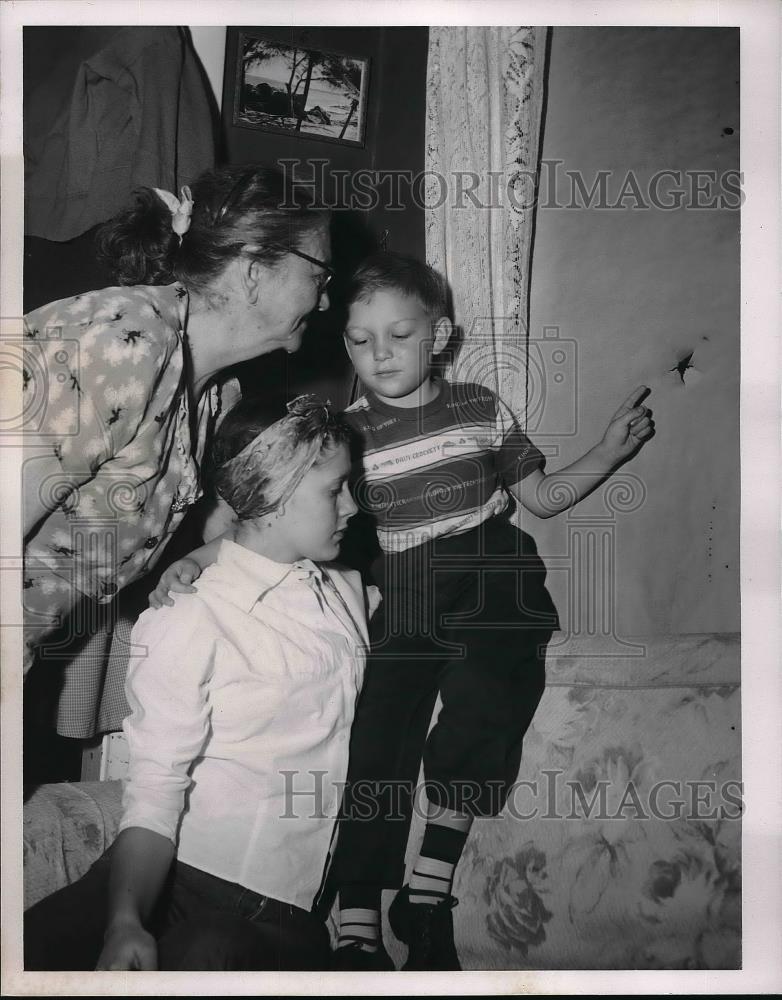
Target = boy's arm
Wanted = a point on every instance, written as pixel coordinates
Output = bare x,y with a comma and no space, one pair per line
219,522
180,575
628,430
206,554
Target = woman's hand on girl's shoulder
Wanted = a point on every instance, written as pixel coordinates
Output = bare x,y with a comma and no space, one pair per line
128,948
177,578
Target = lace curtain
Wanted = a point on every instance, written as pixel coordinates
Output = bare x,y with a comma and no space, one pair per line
484,104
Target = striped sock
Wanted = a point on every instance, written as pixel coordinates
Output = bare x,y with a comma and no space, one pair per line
359,926
442,846
431,880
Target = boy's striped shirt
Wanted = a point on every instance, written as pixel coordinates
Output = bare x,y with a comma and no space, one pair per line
438,469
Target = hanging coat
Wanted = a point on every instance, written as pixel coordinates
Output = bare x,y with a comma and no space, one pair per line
140,113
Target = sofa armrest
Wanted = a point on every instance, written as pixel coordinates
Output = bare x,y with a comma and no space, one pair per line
67,827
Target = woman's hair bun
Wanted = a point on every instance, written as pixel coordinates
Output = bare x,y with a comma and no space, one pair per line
139,244
232,208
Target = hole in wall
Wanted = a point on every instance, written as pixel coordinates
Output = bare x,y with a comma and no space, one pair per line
683,365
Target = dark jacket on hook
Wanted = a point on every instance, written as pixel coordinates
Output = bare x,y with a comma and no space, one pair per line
139,112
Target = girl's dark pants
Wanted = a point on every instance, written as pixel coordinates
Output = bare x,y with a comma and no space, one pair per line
468,616
201,923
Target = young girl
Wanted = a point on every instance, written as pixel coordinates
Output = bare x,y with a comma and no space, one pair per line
246,695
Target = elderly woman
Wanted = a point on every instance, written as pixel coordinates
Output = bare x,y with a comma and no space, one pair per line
126,380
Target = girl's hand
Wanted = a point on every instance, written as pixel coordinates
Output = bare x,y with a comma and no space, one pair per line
177,578
128,948
630,427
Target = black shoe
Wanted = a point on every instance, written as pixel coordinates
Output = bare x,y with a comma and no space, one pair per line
427,930
354,958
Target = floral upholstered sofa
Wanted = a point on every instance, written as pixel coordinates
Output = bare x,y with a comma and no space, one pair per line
620,847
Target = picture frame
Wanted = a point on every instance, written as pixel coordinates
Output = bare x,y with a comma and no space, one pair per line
299,90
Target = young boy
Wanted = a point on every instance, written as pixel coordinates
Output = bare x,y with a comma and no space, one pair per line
465,611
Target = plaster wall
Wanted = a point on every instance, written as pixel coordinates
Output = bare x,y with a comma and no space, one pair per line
209,43
630,292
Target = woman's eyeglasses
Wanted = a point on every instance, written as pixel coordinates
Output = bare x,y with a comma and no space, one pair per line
324,279
328,270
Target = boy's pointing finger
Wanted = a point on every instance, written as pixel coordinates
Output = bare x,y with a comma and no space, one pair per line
635,397
632,401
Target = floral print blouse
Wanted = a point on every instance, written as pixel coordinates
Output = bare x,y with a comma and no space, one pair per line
105,371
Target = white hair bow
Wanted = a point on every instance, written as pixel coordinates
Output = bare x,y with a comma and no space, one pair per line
180,208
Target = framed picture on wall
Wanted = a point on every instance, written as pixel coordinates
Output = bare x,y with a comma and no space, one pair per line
308,92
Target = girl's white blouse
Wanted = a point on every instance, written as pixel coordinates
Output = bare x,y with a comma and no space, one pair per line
242,697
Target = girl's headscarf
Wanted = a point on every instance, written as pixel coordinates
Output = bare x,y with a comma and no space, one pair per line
264,475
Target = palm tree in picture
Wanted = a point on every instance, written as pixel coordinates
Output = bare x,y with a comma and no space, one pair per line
298,63
305,68
344,74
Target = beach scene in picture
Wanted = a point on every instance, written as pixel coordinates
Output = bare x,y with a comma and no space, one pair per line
293,89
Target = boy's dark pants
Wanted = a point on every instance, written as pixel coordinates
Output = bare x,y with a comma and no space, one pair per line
468,616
